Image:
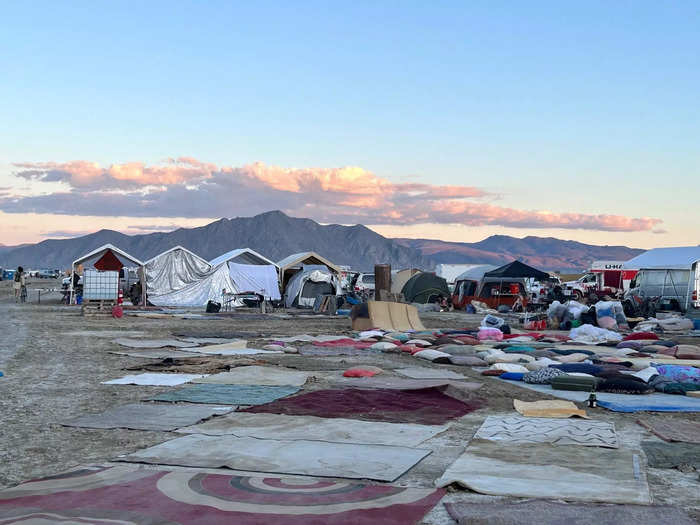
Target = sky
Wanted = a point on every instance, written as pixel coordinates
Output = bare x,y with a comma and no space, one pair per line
447,120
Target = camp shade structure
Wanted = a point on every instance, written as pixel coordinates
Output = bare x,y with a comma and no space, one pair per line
669,273
109,258
172,270
242,256
308,283
425,287
517,269
294,263
198,293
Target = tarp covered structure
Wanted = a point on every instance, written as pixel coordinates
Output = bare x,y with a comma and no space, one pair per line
106,258
517,269
195,294
425,287
678,258
294,263
309,282
172,270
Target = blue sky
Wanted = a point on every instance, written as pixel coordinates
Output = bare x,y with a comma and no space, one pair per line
589,108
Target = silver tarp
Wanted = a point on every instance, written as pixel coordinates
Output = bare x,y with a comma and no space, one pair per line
173,270
208,288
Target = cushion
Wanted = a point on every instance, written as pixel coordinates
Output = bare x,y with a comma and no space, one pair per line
568,382
687,352
362,371
467,360
623,385
582,368
543,376
636,336
513,376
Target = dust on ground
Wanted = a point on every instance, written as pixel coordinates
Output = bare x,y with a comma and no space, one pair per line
54,360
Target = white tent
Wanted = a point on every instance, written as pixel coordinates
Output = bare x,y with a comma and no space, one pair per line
307,283
679,258
107,250
172,270
242,256
475,273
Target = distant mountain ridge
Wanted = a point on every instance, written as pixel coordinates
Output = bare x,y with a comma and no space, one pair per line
546,253
273,234
276,235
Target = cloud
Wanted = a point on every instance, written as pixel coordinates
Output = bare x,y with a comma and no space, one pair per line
153,227
65,233
187,187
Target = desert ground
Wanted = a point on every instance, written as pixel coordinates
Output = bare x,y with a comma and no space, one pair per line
54,360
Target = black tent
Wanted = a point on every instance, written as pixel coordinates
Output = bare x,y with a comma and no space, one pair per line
425,287
517,270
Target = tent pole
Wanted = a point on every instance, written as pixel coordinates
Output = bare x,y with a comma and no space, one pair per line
70,296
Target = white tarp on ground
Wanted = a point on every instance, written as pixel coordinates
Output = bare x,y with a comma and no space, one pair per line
259,278
198,293
309,282
678,258
174,269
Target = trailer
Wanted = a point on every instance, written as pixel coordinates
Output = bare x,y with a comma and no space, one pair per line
602,278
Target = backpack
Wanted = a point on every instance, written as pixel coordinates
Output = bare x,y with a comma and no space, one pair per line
18,277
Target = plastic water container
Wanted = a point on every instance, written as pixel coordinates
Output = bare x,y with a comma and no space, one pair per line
78,299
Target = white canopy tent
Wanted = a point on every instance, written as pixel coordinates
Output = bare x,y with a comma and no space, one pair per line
669,273
242,256
211,287
678,258
108,250
475,273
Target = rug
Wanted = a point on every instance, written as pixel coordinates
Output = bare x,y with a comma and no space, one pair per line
158,496
154,379
258,375
152,343
326,351
622,402
671,455
148,416
551,513
156,353
400,383
337,430
543,471
227,394
670,430
519,429
429,373
306,458
426,406
549,409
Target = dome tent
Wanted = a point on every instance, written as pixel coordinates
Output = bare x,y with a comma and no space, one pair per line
425,287
309,282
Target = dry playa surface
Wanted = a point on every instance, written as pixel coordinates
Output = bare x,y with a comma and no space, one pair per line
54,361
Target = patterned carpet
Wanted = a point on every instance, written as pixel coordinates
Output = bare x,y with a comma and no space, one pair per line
518,429
133,495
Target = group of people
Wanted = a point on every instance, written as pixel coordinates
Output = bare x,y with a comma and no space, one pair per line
20,285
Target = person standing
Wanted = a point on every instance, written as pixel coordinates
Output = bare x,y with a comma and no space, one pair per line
20,282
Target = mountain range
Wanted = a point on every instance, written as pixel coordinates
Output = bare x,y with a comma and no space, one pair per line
276,235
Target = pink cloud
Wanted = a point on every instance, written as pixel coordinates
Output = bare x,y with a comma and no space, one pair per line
187,187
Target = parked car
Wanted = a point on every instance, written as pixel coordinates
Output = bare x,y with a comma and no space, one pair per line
47,274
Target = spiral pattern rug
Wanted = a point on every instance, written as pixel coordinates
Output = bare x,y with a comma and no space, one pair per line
133,495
